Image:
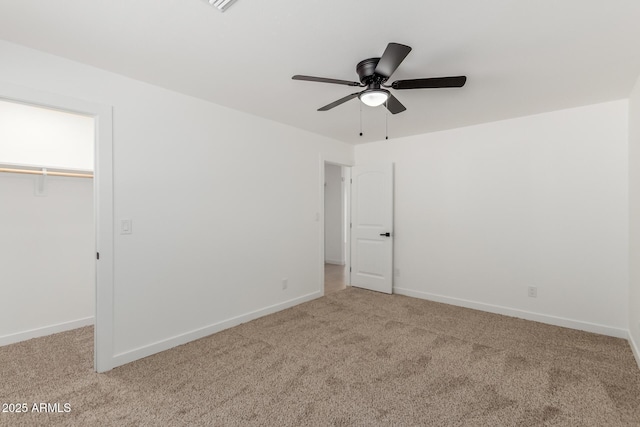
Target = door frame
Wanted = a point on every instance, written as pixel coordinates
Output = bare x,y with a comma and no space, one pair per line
102,204
321,219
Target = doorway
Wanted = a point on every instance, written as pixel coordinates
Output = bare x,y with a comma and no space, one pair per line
102,208
47,223
336,227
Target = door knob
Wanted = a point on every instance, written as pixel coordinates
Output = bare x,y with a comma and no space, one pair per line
386,234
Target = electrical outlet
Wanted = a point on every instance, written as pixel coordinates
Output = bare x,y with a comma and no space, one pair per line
285,283
533,292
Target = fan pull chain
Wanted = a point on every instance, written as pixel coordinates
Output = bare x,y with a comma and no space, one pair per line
360,118
386,119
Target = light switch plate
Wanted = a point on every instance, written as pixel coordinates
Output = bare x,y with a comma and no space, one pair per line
125,226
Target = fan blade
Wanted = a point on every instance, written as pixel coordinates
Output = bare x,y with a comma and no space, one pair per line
431,83
324,80
395,106
338,102
393,55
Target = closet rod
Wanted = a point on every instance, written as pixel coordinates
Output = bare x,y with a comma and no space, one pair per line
48,173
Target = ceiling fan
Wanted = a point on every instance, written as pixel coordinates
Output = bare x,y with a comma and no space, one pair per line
374,73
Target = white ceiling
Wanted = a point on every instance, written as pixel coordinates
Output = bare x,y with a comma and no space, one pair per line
520,57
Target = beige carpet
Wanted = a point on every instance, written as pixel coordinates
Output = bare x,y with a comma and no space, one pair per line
351,358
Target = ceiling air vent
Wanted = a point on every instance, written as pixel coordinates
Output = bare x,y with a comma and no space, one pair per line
221,5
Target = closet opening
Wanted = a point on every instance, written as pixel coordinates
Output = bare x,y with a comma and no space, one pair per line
47,221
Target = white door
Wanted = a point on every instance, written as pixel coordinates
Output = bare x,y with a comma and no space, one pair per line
371,227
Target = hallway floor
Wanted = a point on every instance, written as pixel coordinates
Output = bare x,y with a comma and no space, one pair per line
334,278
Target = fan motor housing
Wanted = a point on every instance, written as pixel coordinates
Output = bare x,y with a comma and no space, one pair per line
367,71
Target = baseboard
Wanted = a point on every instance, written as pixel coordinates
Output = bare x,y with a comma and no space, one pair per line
634,349
522,314
141,352
333,261
45,330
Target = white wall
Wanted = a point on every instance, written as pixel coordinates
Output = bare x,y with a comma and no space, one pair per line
224,205
333,215
634,220
483,212
47,256
43,137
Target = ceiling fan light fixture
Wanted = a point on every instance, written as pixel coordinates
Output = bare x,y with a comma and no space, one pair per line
374,97
221,5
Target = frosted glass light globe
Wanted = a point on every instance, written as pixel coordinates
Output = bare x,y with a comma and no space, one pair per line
374,97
